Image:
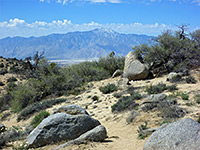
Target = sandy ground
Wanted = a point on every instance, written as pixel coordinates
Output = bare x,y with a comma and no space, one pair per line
121,136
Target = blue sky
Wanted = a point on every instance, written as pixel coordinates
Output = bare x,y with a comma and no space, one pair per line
42,17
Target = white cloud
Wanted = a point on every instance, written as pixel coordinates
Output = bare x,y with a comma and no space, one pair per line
197,1
17,27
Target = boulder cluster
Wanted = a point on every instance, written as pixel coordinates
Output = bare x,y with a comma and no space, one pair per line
69,123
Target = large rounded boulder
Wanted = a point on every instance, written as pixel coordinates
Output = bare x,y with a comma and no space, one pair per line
134,69
61,127
181,135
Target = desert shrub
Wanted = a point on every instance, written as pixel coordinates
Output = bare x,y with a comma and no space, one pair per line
23,146
38,106
4,115
197,98
170,52
39,117
118,95
189,104
172,88
191,79
126,103
111,63
1,83
155,89
184,96
12,79
141,128
79,74
48,79
109,88
12,134
95,98
171,112
23,95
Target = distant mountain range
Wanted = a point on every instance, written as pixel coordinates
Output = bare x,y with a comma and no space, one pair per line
72,45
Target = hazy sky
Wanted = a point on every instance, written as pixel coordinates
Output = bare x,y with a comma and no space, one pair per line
43,17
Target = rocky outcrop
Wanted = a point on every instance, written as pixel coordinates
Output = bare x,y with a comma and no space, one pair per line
134,69
181,135
66,123
97,134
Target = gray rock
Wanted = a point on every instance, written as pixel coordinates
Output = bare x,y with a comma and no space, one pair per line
71,109
117,73
97,134
134,69
174,77
152,101
154,98
60,126
123,83
181,135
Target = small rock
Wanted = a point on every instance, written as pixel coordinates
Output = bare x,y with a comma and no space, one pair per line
174,77
97,134
123,83
94,106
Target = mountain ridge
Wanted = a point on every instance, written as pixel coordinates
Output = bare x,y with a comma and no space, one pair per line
72,45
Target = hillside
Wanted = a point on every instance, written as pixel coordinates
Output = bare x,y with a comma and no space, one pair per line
121,135
72,45
153,94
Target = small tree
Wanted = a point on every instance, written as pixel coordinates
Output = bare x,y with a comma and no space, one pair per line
37,57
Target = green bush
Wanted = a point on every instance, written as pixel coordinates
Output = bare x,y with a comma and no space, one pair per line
141,128
48,79
189,104
184,96
191,80
170,52
111,63
23,95
38,106
172,88
39,117
109,88
126,103
95,98
197,98
155,89
12,79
